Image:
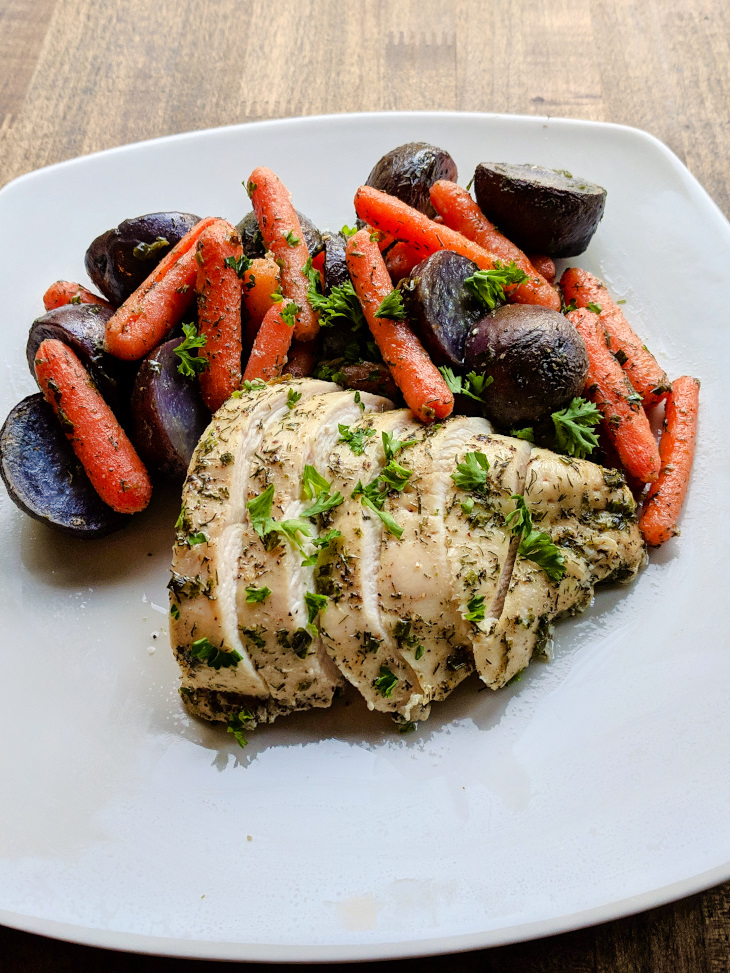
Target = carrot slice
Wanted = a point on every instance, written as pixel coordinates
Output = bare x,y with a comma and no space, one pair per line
461,213
610,388
423,387
425,236
658,521
271,345
114,469
148,315
282,235
647,377
219,311
64,292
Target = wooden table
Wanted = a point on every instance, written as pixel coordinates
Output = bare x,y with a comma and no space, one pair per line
77,76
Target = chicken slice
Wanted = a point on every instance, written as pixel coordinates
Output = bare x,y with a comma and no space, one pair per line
209,538
278,630
352,628
447,556
590,514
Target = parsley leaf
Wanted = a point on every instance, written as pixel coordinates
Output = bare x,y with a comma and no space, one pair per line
392,446
243,720
259,509
315,487
292,398
472,386
320,543
394,476
573,434
240,265
289,313
596,308
292,239
535,545
489,285
391,307
386,682
348,231
472,473
527,433
357,439
250,386
340,305
371,496
314,604
204,650
147,251
191,365
255,595
475,609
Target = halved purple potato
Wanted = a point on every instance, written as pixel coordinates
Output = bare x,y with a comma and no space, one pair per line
536,357
410,170
121,259
45,479
168,413
81,327
441,309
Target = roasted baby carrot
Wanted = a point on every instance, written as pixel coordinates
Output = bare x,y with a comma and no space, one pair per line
400,260
658,521
219,311
114,469
260,289
271,345
148,315
544,265
610,388
64,292
423,387
282,235
461,213
647,377
425,236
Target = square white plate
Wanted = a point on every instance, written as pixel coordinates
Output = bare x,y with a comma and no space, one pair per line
597,786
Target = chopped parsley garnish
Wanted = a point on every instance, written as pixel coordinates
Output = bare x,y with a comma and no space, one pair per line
527,433
240,265
489,285
289,313
251,187
174,611
348,231
320,543
292,398
191,365
386,682
256,595
340,305
472,473
314,604
259,509
475,609
243,720
392,446
198,538
355,439
292,239
204,650
395,476
315,487
535,545
472,385
391,307
596,308
573,434
371,496
147,251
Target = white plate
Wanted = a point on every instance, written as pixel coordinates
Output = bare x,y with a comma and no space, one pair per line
595,787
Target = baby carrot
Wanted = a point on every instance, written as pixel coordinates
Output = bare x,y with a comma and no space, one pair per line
111,463
66,292
423,387
282,235
424,235
658,521
461,213
260,286
544,265
219,311
647,377
609,387
148,315
400,260
271,345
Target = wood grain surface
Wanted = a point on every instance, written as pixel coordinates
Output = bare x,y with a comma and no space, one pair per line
77,76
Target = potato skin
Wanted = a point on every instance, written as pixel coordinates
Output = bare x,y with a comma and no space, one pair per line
119,260
253,244
536,357
409,171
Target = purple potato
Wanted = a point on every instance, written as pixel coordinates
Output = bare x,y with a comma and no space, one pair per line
441,309
335,266
81,327
45,479
168,413
121,259
536,357
410,170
